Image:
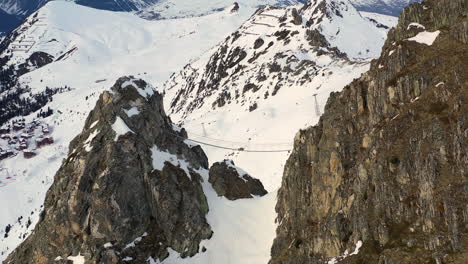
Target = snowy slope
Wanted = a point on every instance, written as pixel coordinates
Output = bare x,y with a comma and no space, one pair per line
243,230
344,27
149,9
91,49
269,79
380,20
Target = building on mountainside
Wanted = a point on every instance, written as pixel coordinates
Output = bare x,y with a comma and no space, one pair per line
45,129
4,130
4,154
23,144
28,154
18,126
43,141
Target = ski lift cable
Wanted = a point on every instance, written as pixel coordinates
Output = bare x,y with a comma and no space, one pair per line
190,133
285,144
241,149
238,142
317,113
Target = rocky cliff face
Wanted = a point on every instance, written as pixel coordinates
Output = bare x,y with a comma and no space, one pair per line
128,190
383,177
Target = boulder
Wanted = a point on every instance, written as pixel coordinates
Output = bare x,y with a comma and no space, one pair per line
234,183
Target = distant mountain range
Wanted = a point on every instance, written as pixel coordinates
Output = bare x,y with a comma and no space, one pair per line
12,12
7,21
386,7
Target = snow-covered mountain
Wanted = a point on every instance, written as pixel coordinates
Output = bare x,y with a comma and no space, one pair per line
7,22
12,12
387,7
164,9
21,7
269,79
149,9
65,55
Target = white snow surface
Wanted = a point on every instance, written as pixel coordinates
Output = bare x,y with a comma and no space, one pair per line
348,31
120,128
389,21
417,25
346,254
108,245
425,37
160,157
243,230
132,111
88,141
79,259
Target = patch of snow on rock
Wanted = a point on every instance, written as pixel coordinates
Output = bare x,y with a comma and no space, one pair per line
87,144
415,25
77,259
132,111
160,157
425,37
120,128
108,245
240,171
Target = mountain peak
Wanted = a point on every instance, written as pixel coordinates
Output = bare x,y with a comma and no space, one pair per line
141,196
333,18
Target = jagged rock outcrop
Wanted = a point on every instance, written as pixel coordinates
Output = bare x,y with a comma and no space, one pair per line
233,183
383,177
129,188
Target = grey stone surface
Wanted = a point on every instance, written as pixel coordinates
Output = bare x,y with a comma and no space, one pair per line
107,190
388,163
232,183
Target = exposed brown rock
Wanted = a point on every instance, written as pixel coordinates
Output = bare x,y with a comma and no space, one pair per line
388,163
233,183
107,190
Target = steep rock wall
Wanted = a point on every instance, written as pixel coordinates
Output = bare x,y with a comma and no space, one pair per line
384,173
